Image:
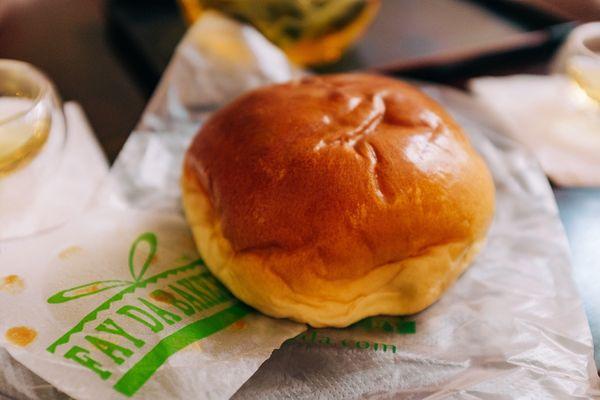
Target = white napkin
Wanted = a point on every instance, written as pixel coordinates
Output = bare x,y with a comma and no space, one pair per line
548,114
64,192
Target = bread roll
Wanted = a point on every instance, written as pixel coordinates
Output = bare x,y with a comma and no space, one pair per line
330,199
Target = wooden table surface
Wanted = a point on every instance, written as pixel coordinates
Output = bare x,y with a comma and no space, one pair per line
67,39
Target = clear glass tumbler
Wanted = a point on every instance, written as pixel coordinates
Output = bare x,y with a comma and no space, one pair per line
579,59
32,139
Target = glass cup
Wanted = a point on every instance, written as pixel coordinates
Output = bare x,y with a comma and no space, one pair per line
310,32
579,59
32,138
584,67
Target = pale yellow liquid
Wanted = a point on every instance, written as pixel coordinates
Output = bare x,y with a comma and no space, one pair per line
584,68
306,49
21,139
585,71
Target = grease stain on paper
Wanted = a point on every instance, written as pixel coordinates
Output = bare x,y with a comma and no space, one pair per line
162,296
12,284
87,289
69,252
21,336
238,325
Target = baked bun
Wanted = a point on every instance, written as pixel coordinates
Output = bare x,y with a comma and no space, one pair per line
334,198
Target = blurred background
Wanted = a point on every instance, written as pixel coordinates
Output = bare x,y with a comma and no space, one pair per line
109,54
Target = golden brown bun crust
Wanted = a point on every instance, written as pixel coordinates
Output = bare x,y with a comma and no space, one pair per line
336,176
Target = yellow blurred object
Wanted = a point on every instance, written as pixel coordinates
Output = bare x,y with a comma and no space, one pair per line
309,31
585,72
579,59
191,10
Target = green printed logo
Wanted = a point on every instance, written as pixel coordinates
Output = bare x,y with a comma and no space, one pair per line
340,338
183,304
386,324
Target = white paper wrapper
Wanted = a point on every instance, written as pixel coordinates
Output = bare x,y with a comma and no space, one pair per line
511,327
553,118
67,194
54,187
185,335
